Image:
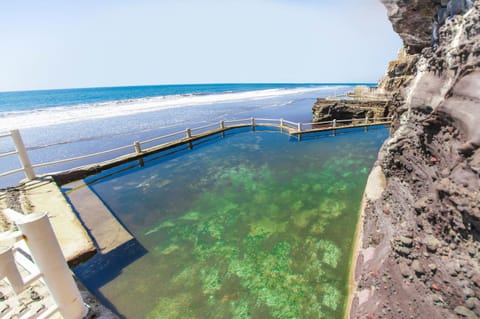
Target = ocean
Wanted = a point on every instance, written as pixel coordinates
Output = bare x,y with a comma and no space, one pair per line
60,124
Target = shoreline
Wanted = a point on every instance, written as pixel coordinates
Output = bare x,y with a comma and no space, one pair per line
357,238
373,190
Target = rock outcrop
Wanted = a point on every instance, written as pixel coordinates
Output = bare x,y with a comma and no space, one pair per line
419,254
327,110
399,73
412,20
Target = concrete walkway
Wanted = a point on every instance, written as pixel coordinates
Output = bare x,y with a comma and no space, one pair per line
105,229
45,196
75,242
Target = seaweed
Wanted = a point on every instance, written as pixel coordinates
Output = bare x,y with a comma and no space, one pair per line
246,237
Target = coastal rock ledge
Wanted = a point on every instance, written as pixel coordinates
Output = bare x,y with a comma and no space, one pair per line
418,254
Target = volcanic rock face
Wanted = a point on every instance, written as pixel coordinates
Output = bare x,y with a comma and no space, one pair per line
420,247
412,20
399,72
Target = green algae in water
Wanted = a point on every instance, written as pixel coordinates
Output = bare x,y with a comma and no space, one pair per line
253,226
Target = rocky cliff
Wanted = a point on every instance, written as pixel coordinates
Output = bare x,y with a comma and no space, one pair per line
419,250
327,110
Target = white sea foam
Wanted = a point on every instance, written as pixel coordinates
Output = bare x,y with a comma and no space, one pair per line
83,112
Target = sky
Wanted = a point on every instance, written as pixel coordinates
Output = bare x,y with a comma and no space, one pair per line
65,44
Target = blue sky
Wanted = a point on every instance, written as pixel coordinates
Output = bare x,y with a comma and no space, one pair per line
59,44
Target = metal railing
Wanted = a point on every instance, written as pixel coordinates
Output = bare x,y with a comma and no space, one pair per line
35,251
22,154
187,136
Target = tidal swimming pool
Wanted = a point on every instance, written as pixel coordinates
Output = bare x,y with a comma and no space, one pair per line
253,225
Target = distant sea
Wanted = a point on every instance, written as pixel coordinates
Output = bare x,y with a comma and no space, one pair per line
72,122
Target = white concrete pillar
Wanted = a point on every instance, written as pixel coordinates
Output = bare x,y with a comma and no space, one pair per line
49,259
22,154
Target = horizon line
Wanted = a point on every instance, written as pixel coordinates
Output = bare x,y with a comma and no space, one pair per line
187,84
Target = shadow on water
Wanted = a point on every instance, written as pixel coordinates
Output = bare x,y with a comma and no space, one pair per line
103,268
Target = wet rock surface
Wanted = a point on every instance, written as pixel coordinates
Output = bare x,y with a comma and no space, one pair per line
423,235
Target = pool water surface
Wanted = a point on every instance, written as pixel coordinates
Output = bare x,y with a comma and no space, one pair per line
252,225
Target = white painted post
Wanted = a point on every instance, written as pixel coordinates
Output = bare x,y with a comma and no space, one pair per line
253,121
49,259
366,120
281,125
9,269
138,148
22,154
189,133
334,125
299,127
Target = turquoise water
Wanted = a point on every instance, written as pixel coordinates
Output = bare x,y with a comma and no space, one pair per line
253,225
34,100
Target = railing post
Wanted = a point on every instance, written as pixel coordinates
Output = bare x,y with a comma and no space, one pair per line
334,125
366,123
138,148
281,125
253,123
9,269
222,126
299,127
22,154
49,259
189,137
